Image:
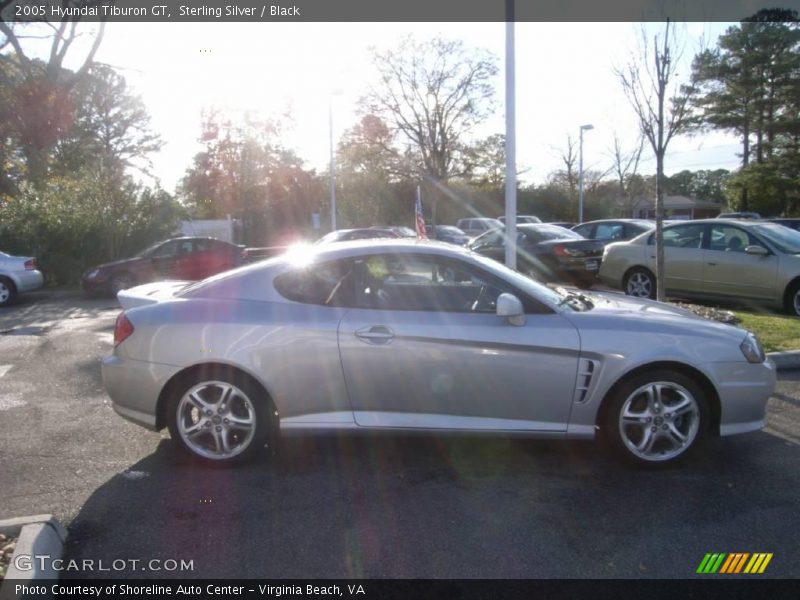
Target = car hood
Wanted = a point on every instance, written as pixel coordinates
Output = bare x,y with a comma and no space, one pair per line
614,311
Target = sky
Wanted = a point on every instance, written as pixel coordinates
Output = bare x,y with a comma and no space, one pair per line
564,78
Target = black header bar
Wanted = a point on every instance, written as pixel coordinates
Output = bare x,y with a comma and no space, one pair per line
183,11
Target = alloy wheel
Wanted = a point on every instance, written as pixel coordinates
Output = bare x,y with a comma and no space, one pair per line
216,420
639,285
659,421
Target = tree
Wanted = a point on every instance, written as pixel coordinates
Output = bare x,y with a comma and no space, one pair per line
662,109
748,84
432,94
245,172
625,167
38,91
703,185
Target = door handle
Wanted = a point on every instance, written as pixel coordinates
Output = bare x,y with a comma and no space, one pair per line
712,264
377,334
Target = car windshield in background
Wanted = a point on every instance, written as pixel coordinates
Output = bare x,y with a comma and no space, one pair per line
543,233
784,239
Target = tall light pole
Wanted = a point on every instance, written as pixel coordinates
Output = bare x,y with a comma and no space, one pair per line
333,164
580,172
511,157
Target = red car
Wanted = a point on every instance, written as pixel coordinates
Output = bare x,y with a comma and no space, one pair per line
188,258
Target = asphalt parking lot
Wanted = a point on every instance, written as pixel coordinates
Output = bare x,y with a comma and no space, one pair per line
367,506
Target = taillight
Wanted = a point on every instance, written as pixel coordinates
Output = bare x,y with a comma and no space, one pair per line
123,329
30,265
560,250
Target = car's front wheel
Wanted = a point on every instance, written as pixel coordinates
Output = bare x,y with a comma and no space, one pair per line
792,303
220,418
640,283
656,418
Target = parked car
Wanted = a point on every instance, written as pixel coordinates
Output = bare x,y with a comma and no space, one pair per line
564,224
521,219
449,234
786,222
413,336
189,258
18,274
739,215
477,226
401,230
546,252
613,230
365,233
712,259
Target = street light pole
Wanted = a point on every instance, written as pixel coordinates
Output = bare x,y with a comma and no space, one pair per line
511,157
333,165
580,172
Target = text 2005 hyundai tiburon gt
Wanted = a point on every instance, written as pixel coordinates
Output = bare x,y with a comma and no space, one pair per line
422,336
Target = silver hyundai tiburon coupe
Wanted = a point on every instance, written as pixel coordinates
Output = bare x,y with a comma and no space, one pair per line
422,336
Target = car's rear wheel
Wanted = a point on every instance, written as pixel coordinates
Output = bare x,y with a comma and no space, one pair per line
219,418
656,418
119,282
8,291
640,282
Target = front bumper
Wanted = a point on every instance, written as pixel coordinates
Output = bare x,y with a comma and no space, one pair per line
744,389
134,387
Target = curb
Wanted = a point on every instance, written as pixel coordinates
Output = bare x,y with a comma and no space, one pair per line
37,535
785,361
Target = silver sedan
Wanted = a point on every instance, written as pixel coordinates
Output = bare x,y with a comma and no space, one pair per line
423,336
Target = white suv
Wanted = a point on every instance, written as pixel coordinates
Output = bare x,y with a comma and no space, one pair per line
475,227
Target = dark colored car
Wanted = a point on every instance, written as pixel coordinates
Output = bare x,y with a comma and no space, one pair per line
739,215
188,258
613,230
448,233
547,252
564,224
787,222
348,235
401,230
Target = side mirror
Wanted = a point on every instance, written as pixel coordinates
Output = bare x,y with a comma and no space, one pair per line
510,307
756,250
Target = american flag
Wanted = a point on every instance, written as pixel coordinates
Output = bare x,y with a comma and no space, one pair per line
419,218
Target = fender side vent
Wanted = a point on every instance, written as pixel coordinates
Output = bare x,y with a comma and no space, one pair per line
586,370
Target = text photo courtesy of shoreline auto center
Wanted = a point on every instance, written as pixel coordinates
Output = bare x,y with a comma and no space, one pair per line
368,300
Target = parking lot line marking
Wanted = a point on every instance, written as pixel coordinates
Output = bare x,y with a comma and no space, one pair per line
5,369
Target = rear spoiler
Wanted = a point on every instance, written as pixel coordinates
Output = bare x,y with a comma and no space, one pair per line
150,293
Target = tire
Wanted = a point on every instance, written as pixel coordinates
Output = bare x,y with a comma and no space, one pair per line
119,282
642,426
792,303
8,291
220,418
640,283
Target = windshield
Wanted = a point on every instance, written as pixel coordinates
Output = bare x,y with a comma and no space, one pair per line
784,239
523,282
148,251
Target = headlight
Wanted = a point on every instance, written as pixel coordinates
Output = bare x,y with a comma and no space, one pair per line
752,350
92,274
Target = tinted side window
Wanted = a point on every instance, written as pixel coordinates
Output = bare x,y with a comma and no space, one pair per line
424,283
325,284
683,236
726,238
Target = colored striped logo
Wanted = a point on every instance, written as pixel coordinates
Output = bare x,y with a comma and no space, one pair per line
737,562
